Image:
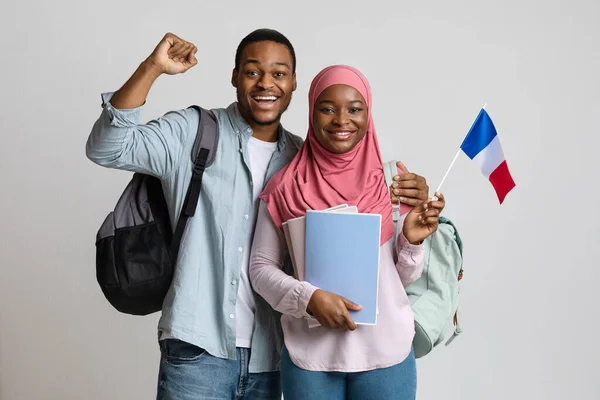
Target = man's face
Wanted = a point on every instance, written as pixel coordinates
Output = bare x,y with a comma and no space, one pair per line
264,82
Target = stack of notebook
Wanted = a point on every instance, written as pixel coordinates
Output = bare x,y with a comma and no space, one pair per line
337,250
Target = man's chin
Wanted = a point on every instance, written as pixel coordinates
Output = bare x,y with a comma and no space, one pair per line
266,120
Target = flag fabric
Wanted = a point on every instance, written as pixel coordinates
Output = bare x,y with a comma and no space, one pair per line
482,145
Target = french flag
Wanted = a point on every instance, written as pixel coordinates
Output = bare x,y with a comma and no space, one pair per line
482,145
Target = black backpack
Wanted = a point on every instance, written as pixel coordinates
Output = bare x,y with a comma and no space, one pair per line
136,247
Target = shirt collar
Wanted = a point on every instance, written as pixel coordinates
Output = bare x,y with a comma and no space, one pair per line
241,126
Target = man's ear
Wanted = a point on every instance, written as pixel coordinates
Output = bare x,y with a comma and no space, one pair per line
234,76
294,83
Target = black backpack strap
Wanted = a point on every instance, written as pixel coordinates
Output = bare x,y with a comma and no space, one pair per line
203,155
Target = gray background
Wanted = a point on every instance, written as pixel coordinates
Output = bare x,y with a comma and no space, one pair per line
531,265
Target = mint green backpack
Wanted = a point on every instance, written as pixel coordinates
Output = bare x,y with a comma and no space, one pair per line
434,296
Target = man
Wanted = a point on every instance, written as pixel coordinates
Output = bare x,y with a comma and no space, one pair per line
217,339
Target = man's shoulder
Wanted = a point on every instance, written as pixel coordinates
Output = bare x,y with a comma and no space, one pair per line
189,117
190,113
220,112
295,140
184,119
228,117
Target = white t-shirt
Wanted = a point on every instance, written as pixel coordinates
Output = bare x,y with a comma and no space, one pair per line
260,154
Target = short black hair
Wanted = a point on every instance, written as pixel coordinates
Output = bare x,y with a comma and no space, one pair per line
262,35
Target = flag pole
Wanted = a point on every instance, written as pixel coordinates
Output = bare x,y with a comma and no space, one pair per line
448,171
449,168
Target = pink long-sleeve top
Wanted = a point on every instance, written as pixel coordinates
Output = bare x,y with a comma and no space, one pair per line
322,349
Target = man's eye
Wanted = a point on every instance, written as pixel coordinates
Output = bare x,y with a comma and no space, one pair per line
279,74
251,73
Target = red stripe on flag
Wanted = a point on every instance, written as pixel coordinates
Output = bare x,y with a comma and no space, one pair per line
502,181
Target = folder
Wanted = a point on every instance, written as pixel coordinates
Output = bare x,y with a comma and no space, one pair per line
294,231
342,257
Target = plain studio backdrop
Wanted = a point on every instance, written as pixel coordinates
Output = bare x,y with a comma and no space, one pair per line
529,294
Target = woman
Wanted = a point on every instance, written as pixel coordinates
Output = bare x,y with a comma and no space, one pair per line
340,163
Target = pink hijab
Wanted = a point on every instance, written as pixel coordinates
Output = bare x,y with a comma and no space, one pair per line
317,179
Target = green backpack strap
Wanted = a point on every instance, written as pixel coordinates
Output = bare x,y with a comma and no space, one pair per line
459,242
389,170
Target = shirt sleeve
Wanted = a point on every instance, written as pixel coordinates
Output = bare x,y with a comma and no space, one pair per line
119,141
283,292
410,257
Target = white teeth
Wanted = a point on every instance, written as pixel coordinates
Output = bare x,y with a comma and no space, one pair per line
342,133
271,98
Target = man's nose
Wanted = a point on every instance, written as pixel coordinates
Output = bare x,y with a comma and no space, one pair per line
265,82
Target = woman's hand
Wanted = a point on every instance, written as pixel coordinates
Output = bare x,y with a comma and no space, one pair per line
423,220
331,310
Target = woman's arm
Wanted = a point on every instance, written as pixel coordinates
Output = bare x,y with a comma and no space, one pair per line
417,226
283,292
410,257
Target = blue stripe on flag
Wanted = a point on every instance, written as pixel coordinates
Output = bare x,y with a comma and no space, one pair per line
480,135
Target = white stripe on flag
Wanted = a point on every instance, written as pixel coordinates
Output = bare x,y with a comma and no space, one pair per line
490,157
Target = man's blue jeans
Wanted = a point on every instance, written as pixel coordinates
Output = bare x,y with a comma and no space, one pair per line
398,382
187,372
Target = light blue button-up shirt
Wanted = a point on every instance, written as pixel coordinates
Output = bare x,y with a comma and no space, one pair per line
200,305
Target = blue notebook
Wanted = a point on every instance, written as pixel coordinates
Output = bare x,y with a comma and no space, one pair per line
342,257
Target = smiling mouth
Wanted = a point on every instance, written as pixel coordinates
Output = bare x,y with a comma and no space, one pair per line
341,135
265,102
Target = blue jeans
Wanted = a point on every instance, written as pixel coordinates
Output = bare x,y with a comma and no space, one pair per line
188,372
398,382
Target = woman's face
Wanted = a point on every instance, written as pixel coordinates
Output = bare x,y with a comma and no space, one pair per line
340,118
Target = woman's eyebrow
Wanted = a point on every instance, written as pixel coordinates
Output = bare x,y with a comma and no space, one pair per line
331,101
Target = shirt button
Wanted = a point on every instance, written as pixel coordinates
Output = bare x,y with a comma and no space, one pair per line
231,316
233,282
241,151
240,249
246,216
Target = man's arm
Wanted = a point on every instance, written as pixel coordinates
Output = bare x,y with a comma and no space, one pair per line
408,188
171,56
134,92
118,140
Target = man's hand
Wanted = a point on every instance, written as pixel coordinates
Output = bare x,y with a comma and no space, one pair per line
423,220
173,55
408,188
331,310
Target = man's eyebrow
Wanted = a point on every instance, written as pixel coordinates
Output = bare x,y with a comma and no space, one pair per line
277,63
281,64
